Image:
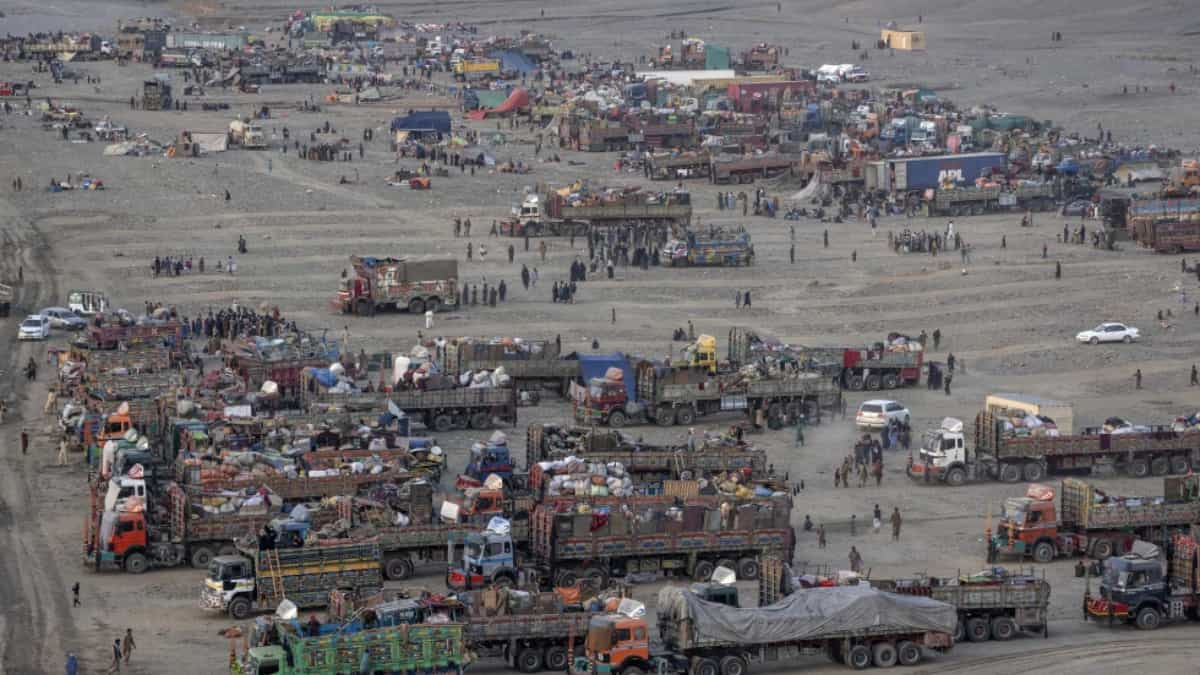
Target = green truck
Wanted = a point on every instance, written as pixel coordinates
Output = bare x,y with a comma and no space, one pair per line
287,648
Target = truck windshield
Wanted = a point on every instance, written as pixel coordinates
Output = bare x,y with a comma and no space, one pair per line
473,549
932,443
218,571
1115,574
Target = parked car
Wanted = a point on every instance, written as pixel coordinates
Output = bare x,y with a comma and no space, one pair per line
1076,207
857,75
61,317
876,413
34,327
1109,332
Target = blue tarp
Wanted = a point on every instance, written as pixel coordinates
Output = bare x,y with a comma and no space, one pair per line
514,62
593,366
435,120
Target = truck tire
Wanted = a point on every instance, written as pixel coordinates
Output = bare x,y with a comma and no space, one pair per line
978,629
855,382
908,653
567,578
960,630
794,410
1138,468
239,608
416,306
775,411
891,381
859,657
529,660
1102,549
1010,473
705,666
685,416
616,419
883,654
1160,466
597,577
201,557
872,382
1004,628
398,568
1179,464
731,664
136,563
1043,552
703,571
632,670
433,305
443,423
503,580
956,476
665,417
481,420
1033,472
556,658
1148,618
748,569
363,308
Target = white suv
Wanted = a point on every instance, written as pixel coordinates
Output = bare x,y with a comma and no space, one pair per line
876,413
34,327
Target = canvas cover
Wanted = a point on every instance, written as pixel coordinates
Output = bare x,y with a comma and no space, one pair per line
809,614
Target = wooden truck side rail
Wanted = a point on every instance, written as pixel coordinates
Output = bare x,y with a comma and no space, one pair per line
584,548
1080,510
518,626
1032,593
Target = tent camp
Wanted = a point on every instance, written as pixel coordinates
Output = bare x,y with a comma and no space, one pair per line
517,100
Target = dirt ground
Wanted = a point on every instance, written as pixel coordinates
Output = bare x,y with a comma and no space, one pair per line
1003,314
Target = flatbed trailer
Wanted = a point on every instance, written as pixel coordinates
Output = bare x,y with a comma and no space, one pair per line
676,167
112,337
746,170
973,201
530,641
438,409
540,363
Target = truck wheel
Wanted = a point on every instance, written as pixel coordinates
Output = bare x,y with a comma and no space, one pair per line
859,657
685,416
794,410
1010,473
703,571
416,306
1138,468
597,577
1043,552
1003,628
201,557
872,382
1102,548
503,580
433,305
705,667
481,420
616,419
883,654
529,660
567,578
1148,618
1033,472
733,665
239,608
855,383
398,569
748,569
890,381
960,630
1179,464
363,308
443,423
956,476
907,653
774,411
556,658
136,563
665,417
978,629
1160,466
632,670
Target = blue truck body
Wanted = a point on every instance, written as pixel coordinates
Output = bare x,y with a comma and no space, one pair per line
924,173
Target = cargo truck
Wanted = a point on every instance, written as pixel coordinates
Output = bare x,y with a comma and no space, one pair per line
470,70
688,537
973,201
559,218
746,170
702,252
1168,235
1001,453
996,604
257,580
530,363
855,625
6,297
602,446
1090,522
905,174
671,166
438,409
383,283
393,644
670,395
1135,589
112,336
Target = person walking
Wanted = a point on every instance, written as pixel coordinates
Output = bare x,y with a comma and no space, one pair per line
25,439
115,666
62,445
853,524
746,304
737,299
1057,270
1195,376
821,535
75,594
800,424
862,475
614,315
127,646
876,520
856,561
896,520
937,338
1137,379
72,664
946,382
792,254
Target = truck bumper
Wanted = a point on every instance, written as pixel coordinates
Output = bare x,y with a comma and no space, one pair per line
1100,609
212,600
923,472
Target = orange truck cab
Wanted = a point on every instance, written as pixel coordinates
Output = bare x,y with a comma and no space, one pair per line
618,644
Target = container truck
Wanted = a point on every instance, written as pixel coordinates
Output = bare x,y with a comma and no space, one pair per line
1089,521
974,201
697,252
393,643
1135,589
855,625
670,395
381,283
904,174
257,580
1008,453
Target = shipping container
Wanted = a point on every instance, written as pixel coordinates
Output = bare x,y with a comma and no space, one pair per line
924,173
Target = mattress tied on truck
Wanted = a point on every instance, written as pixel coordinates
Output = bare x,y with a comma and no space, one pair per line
808,614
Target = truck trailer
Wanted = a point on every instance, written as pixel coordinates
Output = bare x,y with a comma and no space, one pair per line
746,170
975,201
386,283
530,363
438,409
1091,522
911,174
696,251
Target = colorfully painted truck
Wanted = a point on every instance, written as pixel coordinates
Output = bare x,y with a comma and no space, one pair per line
257,580
1137,590
1090,522
697,252
398,283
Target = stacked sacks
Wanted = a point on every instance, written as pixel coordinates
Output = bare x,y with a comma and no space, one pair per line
573,476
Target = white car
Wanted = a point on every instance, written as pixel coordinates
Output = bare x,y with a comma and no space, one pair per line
877,413
1109,332
61,317
857,75
34,327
